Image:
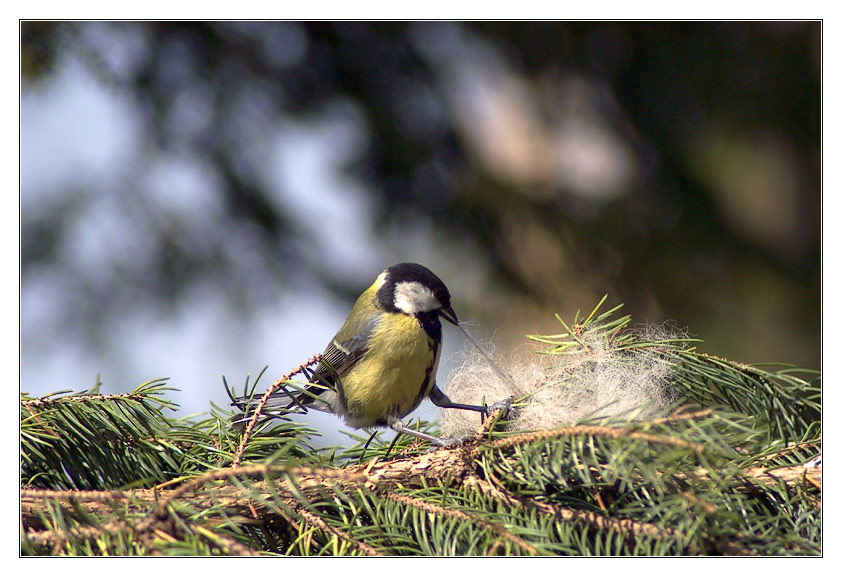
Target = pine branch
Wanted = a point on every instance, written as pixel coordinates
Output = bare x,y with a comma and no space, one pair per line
258,412
123,436
721,473
301,487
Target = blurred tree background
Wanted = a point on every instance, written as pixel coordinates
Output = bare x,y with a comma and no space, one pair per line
675,166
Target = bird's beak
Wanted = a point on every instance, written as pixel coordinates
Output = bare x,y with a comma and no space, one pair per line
448,315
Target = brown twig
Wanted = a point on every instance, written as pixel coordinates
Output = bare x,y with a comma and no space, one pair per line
492,528
681,414
300,472
452,465
238,456
45,401
593,519
78,496
791,477
232,545
321,524
590,430
55,538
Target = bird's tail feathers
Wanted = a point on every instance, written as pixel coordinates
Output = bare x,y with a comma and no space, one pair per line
290,399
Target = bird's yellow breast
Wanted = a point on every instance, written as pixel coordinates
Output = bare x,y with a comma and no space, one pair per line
393,376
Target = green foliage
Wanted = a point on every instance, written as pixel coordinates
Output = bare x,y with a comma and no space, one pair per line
780,405
127,440
90,441
720,474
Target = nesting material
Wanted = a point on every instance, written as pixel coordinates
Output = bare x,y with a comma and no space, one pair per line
594,382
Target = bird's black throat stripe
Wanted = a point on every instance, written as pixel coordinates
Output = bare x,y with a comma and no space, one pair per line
431,324
429,374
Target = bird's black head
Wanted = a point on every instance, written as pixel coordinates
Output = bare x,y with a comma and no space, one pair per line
413,289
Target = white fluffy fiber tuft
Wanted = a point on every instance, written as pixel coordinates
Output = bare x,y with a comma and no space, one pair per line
597,382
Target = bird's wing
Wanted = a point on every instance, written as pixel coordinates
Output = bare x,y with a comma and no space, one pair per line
341,355
337,360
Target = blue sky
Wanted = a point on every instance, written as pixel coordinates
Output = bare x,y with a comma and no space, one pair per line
74,129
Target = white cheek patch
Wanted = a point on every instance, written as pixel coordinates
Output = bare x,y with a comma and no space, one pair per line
413,297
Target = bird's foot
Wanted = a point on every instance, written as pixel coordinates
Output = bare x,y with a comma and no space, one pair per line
505,405
449,442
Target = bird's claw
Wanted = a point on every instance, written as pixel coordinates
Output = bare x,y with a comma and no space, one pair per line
449,443
505,405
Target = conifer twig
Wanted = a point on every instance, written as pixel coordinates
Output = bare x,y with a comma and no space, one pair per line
46,401
316,521
238,456
613,432
492,528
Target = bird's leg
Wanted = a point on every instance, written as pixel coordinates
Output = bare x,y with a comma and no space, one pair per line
441,400
397,425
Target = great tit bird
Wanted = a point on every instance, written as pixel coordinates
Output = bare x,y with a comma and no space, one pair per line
382,363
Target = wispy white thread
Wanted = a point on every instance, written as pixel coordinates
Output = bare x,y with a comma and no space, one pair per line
596,382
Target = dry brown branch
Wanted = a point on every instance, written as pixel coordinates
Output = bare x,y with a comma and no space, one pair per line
238,456
294,486
450,465
791,476
746,480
